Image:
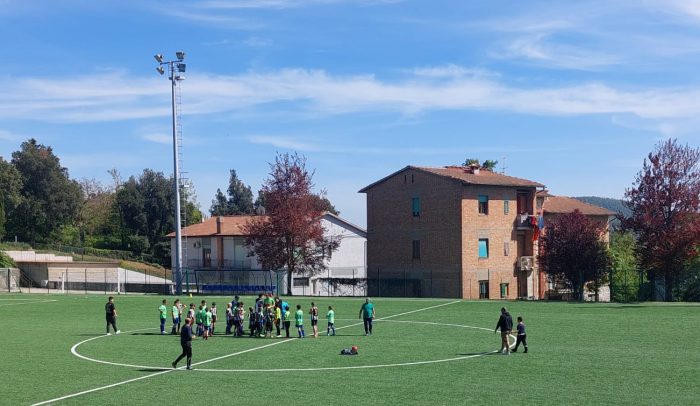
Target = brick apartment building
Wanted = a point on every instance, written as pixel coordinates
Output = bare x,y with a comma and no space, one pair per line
454,231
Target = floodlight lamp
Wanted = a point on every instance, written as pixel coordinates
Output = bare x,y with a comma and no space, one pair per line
181,67
160,70
180,55
159,57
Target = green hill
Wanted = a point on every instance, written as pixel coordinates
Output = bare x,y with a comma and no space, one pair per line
616,205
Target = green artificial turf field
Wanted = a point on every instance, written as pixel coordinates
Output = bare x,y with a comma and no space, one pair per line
429,352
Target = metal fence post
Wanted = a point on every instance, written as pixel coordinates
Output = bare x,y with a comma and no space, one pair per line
85,281
105,275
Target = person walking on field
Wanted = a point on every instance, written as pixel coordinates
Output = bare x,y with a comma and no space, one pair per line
111,315
367,314
522,336
186,338
505,323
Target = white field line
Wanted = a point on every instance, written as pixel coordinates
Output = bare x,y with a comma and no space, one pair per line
29,302
213,359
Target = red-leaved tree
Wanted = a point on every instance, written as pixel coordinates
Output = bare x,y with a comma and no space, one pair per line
573,252
291,235
665,204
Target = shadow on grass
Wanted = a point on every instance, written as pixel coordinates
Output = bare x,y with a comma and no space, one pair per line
155,369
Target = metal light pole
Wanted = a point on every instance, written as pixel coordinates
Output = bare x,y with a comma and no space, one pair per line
175,69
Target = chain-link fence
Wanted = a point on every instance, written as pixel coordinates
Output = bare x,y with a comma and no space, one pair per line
9,280
92,280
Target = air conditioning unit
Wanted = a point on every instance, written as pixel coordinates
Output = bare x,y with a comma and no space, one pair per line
527,263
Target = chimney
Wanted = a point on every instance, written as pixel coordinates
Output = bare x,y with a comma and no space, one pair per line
474,168
219,224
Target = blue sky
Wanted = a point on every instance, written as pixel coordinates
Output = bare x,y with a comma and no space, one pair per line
569,94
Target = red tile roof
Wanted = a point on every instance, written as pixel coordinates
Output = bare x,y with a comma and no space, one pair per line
563,204
232,226
465,176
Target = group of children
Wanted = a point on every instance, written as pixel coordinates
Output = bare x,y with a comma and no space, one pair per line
267,315
204,317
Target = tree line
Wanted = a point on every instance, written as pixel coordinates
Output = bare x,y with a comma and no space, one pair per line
658,241
41,204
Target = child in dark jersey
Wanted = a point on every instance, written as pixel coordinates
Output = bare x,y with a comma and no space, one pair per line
522,337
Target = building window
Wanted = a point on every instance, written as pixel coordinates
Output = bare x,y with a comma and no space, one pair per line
416,249
483,204
483,248
300,282
506,248
504,290
506,206
483,289
415,205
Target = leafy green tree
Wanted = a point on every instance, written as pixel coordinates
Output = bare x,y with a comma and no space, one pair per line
488,164
625,277
326,205
239,201
10,197
145,205
6,261
50,198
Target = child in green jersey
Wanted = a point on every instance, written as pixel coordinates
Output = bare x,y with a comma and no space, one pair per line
207,320
200,322
286,319
163,311
176,317
299,319
331,321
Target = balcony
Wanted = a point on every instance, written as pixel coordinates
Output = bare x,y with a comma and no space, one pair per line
524,221
244,264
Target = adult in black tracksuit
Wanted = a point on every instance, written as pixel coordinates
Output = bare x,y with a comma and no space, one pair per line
505,323
186,338
111,315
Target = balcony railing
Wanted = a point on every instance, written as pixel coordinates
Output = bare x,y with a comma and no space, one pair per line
524,221
215,264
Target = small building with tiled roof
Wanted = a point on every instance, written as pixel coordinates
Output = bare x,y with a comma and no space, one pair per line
214,252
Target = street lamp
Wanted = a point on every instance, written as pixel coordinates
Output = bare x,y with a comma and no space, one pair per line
175,69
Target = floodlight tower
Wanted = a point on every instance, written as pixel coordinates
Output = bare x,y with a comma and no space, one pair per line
176,68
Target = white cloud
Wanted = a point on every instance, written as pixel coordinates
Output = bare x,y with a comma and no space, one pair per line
158,138
119,96
536,49
283,142
285,4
